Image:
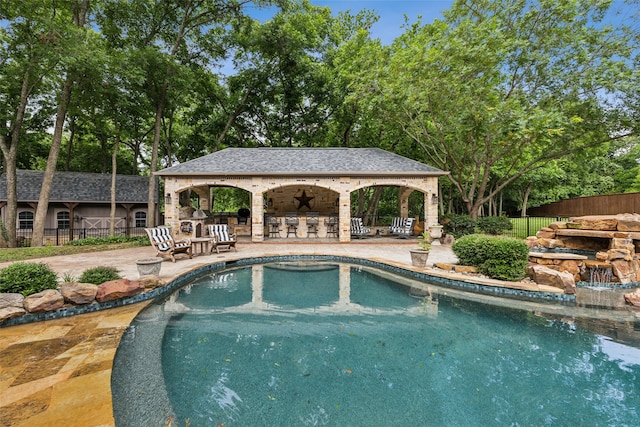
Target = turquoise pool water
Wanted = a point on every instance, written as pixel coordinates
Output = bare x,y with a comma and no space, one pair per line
343,345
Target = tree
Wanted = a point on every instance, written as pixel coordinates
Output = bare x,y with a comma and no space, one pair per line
79,50
504,85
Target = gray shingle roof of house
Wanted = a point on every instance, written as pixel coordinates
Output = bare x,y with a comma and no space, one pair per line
79,187
301,162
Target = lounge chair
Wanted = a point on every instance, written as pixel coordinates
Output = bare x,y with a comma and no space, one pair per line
165,245
402,227
221,238
358,230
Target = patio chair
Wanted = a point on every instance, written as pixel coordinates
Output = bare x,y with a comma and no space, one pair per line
221,238
165,245
274,226
358,230
402,227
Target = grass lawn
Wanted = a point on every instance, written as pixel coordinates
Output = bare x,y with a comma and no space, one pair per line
22,254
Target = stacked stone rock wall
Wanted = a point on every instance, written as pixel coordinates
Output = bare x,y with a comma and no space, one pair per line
614,238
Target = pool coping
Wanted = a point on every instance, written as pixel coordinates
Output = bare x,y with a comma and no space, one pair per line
445,280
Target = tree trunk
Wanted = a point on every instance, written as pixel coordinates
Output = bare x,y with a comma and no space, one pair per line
373,206
9,147
114,172
79,19
525,200
151,200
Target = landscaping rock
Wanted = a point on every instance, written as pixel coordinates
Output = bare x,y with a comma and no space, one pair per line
558,225
47,300
628,222
9,312
116,289
79,293
625,271
11,305
623,243
11,300
546,233
597,222
152,282
633,298
559,279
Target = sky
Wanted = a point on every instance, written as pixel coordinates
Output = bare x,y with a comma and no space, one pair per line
391,13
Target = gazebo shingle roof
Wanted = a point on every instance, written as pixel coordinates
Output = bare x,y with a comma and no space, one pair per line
301,162
79,187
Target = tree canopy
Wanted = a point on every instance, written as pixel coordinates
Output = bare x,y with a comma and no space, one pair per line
523,102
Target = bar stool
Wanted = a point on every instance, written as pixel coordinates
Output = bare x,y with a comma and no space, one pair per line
274,226
332,226
291,220
312,223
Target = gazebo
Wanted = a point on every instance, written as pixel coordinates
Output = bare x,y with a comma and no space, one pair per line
284,181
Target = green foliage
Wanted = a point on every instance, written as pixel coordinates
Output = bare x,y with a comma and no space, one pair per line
424,241
95,241
99,275
27,278
502,258
458,225
494,224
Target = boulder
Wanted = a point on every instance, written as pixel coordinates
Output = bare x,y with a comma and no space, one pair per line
597,222
532,242
628,222
550,277
11,305
79,293
47,300
546,233
619,254
625,244
116,289
558,225
9,312
626,271
151,282
11,300
633,298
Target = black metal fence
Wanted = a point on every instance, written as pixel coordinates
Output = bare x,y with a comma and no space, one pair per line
529,226
60,236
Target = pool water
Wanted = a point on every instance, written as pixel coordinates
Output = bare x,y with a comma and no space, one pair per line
345,345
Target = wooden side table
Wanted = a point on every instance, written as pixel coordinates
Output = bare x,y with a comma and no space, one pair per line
204,245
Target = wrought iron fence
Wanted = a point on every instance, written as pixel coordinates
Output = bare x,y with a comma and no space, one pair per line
60,236
529,226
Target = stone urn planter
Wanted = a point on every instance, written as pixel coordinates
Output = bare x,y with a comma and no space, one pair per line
435,231
419,257
149,266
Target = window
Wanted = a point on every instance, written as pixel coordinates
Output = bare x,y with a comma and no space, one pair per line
25,220
141,219
62,218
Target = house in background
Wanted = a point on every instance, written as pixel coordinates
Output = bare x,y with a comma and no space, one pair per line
79,201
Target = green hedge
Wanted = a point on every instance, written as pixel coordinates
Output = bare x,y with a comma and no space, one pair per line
458,225
27,278
494,224
99,275
498,257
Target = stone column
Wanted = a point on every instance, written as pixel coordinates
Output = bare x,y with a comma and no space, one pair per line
403,201
257,217
171,211
344,216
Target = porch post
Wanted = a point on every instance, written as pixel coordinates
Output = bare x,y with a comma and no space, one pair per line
344,216
257,217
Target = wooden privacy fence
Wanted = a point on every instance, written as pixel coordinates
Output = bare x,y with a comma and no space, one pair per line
609,204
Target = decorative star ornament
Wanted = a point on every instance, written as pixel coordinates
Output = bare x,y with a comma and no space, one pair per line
304,200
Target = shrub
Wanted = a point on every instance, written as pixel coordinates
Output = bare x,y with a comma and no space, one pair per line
99,275
502,258
458,225
27,278
494,224
95,241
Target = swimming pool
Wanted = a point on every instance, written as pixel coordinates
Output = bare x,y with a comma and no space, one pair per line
341,344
